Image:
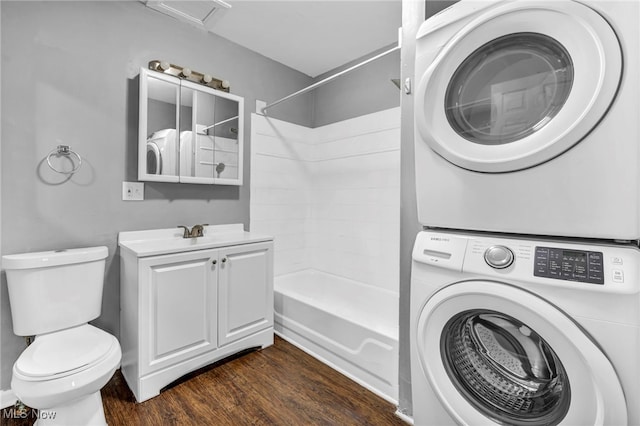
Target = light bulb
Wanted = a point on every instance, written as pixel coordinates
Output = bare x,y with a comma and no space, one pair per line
186,72
225,84
206,79
164,65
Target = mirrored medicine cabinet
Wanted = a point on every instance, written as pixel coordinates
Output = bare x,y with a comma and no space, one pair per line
188,133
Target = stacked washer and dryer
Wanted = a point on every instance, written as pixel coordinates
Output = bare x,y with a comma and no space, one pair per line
525,292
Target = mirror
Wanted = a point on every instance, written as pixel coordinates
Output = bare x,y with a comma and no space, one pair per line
190,133
226,139
158,134
209,147
186,124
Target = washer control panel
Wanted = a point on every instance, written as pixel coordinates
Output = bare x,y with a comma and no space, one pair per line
498,257
569,264
599,267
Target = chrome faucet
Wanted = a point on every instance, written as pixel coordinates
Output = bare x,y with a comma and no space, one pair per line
196,231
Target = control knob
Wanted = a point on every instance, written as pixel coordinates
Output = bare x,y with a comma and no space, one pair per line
498,257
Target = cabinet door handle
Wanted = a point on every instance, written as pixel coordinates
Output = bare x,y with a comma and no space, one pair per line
224,260
214,261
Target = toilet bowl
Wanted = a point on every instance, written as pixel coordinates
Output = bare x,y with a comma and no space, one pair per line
61,369
53,295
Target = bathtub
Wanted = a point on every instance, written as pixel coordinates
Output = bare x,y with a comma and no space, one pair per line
350,326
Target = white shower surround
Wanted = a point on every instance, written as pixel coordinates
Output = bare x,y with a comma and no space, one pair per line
331,198
330,195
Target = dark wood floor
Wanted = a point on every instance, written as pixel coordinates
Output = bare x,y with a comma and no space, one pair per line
280,385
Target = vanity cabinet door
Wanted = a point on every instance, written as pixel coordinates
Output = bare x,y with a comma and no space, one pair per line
179,298
245,291
158,148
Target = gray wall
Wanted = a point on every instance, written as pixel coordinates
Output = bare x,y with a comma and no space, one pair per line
362,91
69,75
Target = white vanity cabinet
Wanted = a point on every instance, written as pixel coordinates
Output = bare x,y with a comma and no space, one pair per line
192,303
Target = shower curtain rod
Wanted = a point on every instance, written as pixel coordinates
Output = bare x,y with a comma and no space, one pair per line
328,79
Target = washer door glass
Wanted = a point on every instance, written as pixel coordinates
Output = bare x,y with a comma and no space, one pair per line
509,88
505,369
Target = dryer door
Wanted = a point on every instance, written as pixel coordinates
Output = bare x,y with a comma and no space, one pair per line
496,354
518,85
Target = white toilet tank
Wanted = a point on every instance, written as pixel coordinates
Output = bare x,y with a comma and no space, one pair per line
54,290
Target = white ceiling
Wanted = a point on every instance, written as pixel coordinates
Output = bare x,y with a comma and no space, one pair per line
311,36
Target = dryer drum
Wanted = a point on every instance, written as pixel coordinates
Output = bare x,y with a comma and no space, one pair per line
505,369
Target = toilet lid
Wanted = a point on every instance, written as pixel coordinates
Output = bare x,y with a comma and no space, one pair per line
64,352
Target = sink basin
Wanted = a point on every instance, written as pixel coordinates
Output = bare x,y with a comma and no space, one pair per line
166,241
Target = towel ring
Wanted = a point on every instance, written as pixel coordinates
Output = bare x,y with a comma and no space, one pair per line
66,151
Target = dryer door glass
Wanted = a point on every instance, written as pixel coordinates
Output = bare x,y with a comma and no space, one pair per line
509,88
505,369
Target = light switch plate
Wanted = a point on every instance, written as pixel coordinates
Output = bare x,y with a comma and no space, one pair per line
132,191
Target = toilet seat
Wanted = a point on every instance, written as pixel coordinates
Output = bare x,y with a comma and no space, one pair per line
62,353
70,374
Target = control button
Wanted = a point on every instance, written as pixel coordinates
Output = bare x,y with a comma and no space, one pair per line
618,276
538,272
498,257
595,258
542,252
616,260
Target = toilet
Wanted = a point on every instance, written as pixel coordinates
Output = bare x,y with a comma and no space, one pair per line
53,295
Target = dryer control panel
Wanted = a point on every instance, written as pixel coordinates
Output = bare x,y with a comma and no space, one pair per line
569,264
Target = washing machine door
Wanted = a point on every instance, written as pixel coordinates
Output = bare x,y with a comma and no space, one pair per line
519,84
496,354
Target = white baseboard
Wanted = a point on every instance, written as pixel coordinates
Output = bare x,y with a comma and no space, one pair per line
404,417
7,398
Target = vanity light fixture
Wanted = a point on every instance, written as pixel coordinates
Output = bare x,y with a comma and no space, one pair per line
190,75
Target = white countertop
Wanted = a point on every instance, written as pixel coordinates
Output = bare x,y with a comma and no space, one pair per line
166,241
